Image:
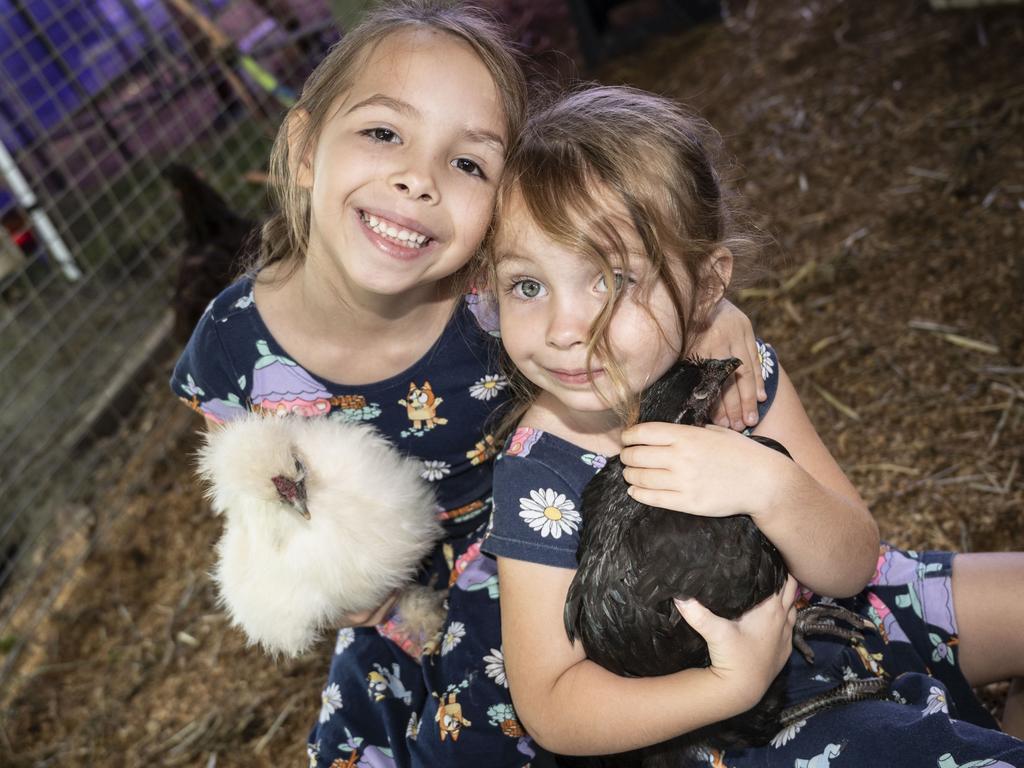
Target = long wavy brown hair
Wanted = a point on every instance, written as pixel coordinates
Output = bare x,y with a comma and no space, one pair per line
601,150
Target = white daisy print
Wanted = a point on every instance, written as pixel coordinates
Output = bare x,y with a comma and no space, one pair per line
453,636
488,387
936,701
435,470
494,667
849,674
346,636
767,361
787,734
330,700
550,513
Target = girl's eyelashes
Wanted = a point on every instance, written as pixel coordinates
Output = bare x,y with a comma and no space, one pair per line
525,288
621,281
381,135
470,167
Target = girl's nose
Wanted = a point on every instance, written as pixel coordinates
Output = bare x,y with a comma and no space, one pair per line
416,180
568,326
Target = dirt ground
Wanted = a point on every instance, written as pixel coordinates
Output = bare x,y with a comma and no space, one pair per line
880,146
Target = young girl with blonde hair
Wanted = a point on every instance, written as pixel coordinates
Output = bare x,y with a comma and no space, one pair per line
614,240
386,172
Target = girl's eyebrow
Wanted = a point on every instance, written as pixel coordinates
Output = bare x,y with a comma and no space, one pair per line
407,109
379,99
514,259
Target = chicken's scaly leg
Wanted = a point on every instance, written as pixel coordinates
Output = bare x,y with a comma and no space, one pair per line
821,620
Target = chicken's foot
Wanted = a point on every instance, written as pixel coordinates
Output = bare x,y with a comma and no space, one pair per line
821,620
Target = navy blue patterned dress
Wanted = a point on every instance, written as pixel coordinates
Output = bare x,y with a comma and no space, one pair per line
386,703
931,718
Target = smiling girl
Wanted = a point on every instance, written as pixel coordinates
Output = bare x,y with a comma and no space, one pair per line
386,172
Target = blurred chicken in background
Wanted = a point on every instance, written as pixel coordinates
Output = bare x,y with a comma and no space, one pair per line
215,237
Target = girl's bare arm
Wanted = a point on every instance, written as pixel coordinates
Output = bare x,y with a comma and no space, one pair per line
573,706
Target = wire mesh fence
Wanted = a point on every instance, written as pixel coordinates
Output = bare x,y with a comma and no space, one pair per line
97,101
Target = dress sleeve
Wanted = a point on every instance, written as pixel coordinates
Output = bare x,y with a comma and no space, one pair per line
536,514
770,373
205,378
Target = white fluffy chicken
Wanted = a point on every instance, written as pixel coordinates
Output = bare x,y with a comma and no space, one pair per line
322,518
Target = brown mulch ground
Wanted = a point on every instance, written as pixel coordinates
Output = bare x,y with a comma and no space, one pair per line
881,147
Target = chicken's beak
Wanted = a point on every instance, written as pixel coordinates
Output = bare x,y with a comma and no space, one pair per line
292,491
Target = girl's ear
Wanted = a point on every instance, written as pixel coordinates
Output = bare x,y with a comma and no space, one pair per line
300,152
717,275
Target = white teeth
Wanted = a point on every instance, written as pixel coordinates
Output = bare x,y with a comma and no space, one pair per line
401,236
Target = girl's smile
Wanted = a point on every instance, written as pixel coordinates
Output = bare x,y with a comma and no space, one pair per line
397,236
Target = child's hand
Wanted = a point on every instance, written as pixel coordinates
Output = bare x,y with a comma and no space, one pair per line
747,653
709,471
730,334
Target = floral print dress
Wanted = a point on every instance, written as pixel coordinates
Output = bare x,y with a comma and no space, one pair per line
386,703
930,716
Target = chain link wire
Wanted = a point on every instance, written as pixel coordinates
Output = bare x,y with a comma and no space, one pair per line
97,101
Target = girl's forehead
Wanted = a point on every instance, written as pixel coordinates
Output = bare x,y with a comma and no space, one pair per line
597,215
433,65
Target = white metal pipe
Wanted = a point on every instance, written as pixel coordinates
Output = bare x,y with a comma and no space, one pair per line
41,223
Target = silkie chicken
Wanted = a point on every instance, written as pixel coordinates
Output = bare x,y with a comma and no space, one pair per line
634,559
322,518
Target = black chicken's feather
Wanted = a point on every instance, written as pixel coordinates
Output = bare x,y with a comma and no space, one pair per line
634,559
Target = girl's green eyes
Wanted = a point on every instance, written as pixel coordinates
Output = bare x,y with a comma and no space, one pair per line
525,288
618,282
621,281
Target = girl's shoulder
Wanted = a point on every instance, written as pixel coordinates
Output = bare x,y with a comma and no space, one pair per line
538,484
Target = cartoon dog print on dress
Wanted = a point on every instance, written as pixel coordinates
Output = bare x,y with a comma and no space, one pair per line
449,718
421,407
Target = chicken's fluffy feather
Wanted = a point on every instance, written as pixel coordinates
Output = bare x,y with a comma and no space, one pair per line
284,579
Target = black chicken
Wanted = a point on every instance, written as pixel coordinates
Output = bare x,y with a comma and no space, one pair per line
215,236
633,559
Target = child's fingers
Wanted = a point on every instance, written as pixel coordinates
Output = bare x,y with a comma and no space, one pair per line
729,411
648,479
747,378
755,367
646,457
663,499
789,591
697,616
654,433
